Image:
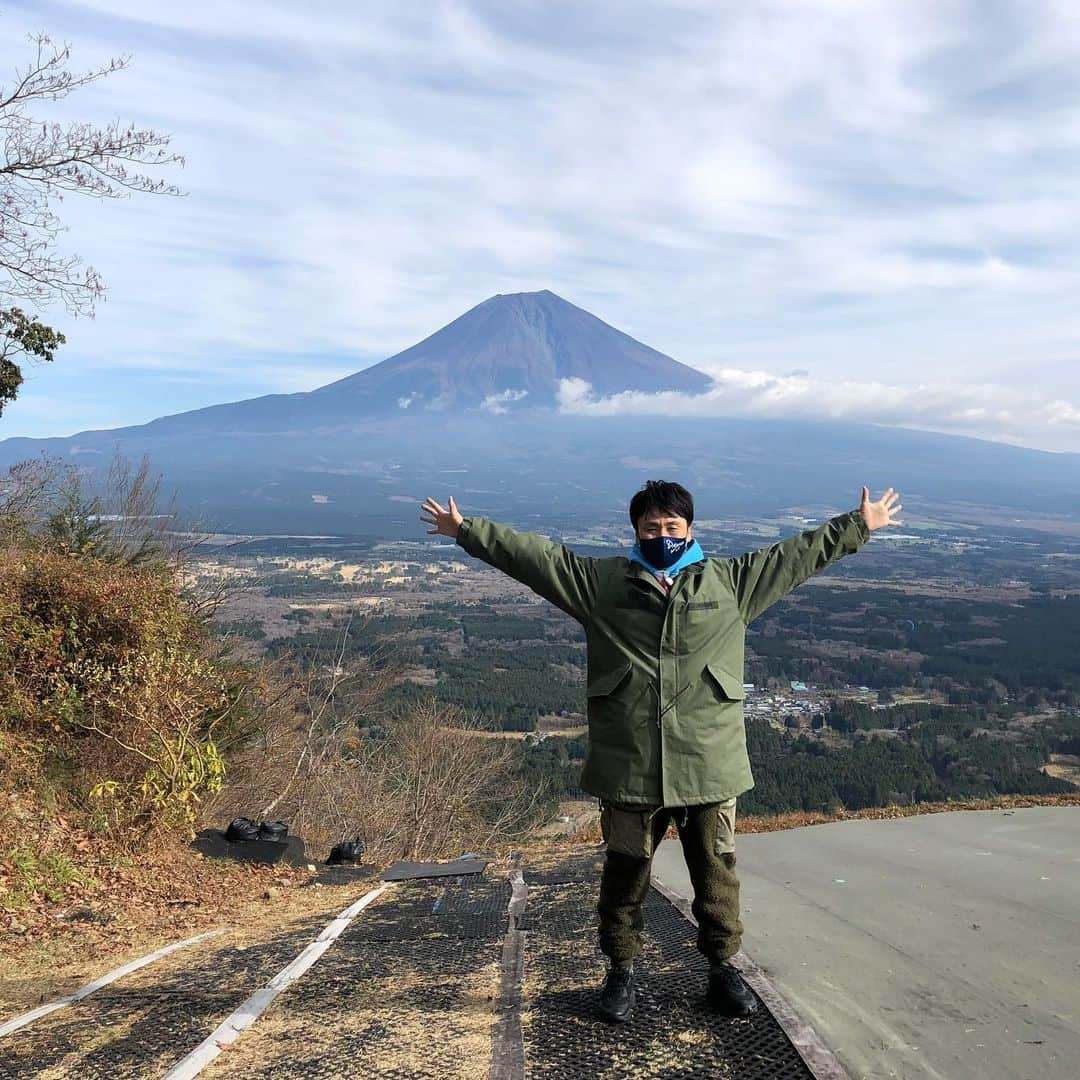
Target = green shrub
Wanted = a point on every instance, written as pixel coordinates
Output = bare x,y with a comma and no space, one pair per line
105,669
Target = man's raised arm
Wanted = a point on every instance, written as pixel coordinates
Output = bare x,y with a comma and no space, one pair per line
549,569
760,578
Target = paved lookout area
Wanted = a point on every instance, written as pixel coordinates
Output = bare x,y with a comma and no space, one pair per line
942,946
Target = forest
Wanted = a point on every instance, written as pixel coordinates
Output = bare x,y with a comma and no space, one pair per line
933,753
1000,682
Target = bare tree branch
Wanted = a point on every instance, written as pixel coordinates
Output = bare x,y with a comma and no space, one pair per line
42,161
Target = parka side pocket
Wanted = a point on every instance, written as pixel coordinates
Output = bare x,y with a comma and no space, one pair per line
627,830
730,686
603,685
725,827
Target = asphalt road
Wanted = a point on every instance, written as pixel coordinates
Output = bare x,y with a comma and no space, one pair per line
938,947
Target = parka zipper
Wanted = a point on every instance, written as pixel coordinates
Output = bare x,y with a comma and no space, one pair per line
674,652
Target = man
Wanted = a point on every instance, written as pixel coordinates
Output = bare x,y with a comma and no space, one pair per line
665,633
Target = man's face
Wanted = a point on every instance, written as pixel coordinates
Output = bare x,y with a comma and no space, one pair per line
660,523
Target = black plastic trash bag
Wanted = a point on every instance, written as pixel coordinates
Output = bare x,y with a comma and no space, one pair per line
348,851
242,828
273,830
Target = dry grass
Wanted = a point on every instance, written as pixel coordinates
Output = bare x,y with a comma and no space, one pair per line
1064,767
131,910
692,1038
101,1035
405,1038
578,970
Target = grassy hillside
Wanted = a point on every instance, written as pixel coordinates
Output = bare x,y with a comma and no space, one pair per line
126,723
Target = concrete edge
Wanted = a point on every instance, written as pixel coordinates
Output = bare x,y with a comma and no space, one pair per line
507,1042
818,1058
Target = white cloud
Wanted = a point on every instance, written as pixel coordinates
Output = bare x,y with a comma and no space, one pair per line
496,403
988,411
1062,412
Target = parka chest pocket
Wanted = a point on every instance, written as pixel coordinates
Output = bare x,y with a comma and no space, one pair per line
728,687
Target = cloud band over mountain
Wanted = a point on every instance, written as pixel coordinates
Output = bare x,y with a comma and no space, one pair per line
1002,413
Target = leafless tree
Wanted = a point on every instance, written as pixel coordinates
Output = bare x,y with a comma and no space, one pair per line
298,756
27,494
322,738
448,783
43,162
120,517
336,761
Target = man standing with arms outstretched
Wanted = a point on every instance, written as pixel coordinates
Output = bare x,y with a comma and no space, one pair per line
665,633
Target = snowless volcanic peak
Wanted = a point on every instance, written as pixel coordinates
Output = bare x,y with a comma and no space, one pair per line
510,351
507,354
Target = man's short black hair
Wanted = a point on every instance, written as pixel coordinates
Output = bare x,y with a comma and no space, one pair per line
663,496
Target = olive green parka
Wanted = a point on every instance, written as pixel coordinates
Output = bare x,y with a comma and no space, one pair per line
665,671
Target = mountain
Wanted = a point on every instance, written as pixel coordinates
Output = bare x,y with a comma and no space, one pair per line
472,409
508,353
514,348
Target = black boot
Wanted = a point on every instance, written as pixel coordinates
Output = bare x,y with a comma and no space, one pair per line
617,996
728,992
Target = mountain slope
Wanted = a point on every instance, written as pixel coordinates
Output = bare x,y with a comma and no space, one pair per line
518,346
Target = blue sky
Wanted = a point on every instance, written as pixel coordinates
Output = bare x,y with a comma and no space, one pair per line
843,209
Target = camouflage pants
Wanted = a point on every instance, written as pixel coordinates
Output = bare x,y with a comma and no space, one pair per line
632,834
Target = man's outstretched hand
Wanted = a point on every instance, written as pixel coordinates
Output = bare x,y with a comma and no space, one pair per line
883,512
446,521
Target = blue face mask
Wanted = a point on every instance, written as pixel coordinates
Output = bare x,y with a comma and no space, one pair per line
663,551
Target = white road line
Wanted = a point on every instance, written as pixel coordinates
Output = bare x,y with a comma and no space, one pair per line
239,1021
97,984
